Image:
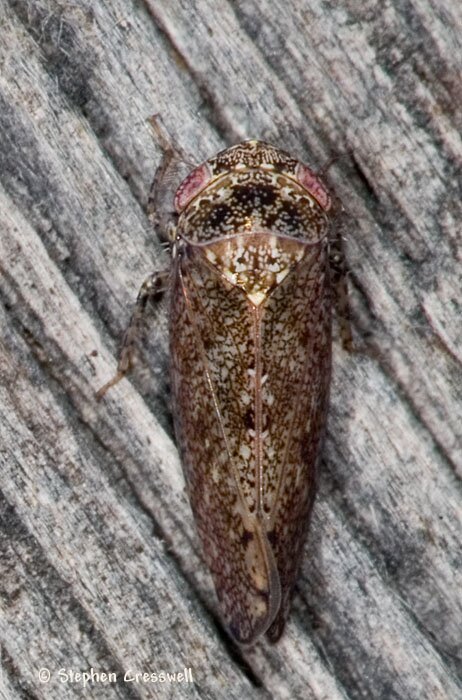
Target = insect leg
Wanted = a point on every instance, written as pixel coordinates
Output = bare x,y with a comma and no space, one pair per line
152,290
165,182
339,283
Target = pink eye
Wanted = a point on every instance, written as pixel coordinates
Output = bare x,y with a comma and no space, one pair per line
191,186
310,181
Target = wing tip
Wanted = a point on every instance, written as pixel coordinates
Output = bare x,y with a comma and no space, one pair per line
245,630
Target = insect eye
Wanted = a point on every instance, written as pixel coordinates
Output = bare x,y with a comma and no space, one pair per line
310,181
192,185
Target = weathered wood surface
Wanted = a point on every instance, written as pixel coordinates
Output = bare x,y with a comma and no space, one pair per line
100,566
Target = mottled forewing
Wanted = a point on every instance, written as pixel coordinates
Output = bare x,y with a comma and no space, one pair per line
296,361
250,388
212,346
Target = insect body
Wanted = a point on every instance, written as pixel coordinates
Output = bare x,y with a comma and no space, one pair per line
250,344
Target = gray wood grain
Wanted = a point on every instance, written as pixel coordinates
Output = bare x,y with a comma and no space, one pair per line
99,564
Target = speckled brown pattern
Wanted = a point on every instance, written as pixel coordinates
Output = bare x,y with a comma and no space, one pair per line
250,322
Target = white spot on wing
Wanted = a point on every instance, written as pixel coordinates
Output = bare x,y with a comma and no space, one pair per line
244,451
281,275
257,297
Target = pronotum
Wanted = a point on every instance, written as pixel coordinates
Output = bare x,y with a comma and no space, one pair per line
256,264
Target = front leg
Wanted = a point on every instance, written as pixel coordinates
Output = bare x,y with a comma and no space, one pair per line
151,290
338,271
168,174
164,220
